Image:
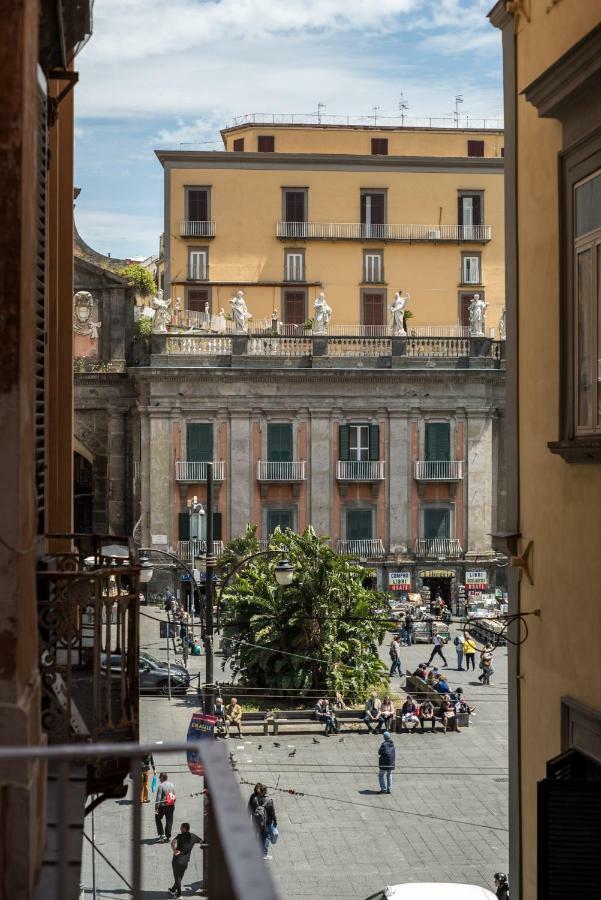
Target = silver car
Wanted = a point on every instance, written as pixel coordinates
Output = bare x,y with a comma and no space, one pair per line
154,674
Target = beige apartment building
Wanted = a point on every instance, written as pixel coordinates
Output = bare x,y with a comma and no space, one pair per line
360,212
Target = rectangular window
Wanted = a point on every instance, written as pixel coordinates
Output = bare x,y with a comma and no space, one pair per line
266,143
279,442
279,518
475,148
470,214
359,443
238,144
359,524
373,267
437,522
197,204
465,298
470,268
295,205
438,441
294,308
374,308
373,212
197,264
379,146
197,299
294,265
200,442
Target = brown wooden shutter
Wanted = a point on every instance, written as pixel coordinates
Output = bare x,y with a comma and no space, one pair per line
266,143
295,206
477,201
373,308
198,205
294,308
475,148
379,146
466,299
197,297
40,310
239,144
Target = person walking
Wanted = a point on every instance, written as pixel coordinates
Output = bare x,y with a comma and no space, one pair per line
147,767
486,665
502,886
469,651
437,651
459,651
262,813
164,806
409,629
182,848
386,760
395,658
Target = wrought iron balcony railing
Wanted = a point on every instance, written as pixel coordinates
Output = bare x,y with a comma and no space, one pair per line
195,472
190,550
360,470
438,470
190,228
438,548
281,471
363,549
359,231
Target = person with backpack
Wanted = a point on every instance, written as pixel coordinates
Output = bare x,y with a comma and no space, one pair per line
147,766
262,813
386,761
164,806
182,848
395,658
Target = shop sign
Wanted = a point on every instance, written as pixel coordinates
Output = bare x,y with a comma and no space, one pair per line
476,580
399,581
437,573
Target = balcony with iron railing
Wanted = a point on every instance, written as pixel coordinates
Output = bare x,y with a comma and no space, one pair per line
281,471
196,472
359,231
360,470
190,228
437,548
188,551
365,548
438,470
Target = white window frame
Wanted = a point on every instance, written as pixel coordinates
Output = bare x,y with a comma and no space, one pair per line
294,266
373,265
358,443
198,265
468,263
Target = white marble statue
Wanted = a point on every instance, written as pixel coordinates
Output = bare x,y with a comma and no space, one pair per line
240,313
397,308
83,305
322,313
478,308
162,314
502,326
221,321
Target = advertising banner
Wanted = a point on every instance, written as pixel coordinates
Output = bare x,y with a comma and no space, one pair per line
201,727
476,580
399,581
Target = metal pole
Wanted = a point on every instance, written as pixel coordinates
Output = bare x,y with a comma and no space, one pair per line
168,659
209,671
93,859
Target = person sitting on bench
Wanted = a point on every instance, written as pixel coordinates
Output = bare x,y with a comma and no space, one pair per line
447,716
372,712
233,716
324,714
426,714
386,717
409,715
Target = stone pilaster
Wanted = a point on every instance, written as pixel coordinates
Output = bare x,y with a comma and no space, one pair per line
161,480
479,484
240,473
320,468
398,464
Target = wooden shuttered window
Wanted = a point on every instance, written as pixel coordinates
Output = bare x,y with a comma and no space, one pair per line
475,148
469,212
197,298
437,523
379,146
374,308
183,526
569,829
438,441
359,524
294,308
295,206
279,442
217,536
198,204
200,442
266,143
238,144
279,518
344,441
372,208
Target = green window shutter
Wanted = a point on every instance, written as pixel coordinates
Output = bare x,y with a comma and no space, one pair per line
436,523
200,442
217,526
438,441
359,524
343,441
374,442
279,518
183,521
279,442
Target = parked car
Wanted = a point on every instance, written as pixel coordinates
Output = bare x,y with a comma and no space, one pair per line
154,674
423,891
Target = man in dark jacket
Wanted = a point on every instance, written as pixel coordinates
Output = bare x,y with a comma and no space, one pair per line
262,813
386,758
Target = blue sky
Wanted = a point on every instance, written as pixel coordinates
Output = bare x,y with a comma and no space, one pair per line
157,74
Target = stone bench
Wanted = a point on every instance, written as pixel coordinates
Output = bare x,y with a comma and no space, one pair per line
301,718
420,690
253,721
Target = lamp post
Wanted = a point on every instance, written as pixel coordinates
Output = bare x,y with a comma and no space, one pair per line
284,572
147,569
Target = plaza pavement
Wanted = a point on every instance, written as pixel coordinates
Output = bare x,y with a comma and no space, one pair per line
446,819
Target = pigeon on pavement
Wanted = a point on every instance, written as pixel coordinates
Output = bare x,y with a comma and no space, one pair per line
292,752
315,741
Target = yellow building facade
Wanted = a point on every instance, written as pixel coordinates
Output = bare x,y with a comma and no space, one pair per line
288,211
552,73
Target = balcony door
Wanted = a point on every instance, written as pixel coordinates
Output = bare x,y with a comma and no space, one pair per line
359,524
374,308
437,522
200,442
294,308
279,518
465,298
295,205
373,210
279,442
359,443
197,205
438,441
470,214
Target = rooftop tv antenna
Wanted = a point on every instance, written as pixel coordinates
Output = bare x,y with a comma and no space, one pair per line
458,100
403,107
375,109
320,109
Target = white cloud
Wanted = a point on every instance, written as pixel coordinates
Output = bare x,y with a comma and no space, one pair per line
104,230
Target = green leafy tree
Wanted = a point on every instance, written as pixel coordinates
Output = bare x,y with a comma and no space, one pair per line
319,632
139,278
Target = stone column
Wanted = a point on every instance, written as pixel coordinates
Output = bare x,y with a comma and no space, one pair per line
320,473
399,475
479,484
161,481
145,476
240,473
115,452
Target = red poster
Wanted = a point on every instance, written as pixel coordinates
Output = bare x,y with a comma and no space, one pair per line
201,726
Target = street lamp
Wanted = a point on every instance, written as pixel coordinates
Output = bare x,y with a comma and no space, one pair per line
145,570
284,572
196,511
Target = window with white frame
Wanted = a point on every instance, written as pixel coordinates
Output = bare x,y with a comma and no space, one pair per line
373,267
470,268
294,266
197,264
359,442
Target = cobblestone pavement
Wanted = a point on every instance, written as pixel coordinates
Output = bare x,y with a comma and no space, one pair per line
446,819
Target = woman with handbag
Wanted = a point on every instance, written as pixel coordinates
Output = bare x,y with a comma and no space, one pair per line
147,765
